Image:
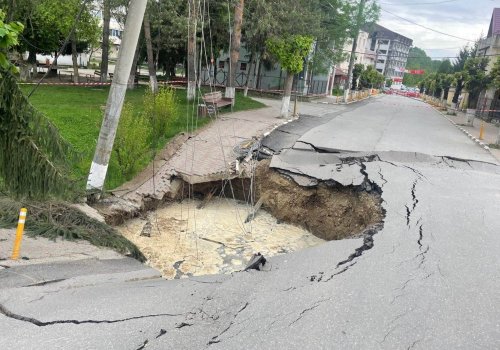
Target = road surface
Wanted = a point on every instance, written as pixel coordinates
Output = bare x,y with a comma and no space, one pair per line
428,279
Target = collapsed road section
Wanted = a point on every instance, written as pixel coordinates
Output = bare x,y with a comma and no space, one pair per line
216,227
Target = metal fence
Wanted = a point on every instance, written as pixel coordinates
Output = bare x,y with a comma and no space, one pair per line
265,82
488,108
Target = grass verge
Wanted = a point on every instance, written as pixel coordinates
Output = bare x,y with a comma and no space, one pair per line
77,112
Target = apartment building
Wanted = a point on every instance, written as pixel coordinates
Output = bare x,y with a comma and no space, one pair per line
391,52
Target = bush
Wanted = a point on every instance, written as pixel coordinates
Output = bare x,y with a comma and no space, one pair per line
132,141
161,112
337,91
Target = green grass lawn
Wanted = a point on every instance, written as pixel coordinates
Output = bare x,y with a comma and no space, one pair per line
78,112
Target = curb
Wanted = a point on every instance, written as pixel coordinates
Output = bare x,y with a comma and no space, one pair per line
477,141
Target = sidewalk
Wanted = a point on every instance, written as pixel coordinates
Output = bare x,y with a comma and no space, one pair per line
490,130
210,154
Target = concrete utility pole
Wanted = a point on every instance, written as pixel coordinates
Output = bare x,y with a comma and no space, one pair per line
235,49
191,50
347,85
99,166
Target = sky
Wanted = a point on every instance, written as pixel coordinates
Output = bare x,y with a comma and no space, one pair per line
468,19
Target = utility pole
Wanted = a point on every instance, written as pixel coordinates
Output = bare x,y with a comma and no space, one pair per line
235,49
99,167
347,85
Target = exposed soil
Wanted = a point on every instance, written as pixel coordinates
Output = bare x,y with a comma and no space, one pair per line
327,212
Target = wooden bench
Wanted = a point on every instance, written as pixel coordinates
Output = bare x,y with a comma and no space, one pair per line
216,100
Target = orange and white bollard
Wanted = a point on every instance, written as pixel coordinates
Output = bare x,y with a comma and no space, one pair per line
481,131
19,233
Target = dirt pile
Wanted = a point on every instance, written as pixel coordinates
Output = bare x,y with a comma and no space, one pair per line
327,212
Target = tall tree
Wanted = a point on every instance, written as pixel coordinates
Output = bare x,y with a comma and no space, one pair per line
475,78
191,50
153,82
290,53
235,49
106,19
458,67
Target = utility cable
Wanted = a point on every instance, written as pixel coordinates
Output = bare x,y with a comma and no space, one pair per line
428,28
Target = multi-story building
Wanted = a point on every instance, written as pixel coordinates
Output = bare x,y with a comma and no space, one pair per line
391,52
489,100
363,55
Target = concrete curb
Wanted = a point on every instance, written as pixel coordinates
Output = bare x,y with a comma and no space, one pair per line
344,103
477,141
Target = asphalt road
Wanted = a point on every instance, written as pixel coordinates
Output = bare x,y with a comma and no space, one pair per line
428,279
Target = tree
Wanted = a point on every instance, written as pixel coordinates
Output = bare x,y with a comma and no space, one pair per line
33,157
62,18
370,78
458,67
235,49
290,53
153,82
358,22
418,59
446,81
445,67
106,18
475,78
9,33
495,75
356,72
191,50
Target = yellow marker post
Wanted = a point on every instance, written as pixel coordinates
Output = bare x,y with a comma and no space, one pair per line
481,131
19,233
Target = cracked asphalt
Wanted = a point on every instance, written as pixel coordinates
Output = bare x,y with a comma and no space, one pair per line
428,278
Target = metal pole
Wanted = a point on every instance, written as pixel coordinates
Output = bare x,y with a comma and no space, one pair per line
99,167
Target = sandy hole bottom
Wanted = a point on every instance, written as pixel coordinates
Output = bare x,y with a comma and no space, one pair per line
185,241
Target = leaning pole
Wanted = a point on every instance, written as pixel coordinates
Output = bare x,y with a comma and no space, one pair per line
99,167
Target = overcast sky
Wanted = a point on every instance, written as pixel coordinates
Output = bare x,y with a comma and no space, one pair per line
462,18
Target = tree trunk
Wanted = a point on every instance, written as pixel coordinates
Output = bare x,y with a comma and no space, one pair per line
106,18
285,102
153,82
458,91
250,67
191,51
359,17
235,49
133,70
259,72
74,57
11,8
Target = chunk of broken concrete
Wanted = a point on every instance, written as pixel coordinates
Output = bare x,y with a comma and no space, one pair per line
256,262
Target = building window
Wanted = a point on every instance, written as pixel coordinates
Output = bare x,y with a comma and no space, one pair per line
383,42
117,33
379,70
380,61
383,52
243,66
221,65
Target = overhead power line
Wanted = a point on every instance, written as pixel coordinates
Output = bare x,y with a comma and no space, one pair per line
428,28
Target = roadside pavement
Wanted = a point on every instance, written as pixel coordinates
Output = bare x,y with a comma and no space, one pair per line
490,130
43,261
